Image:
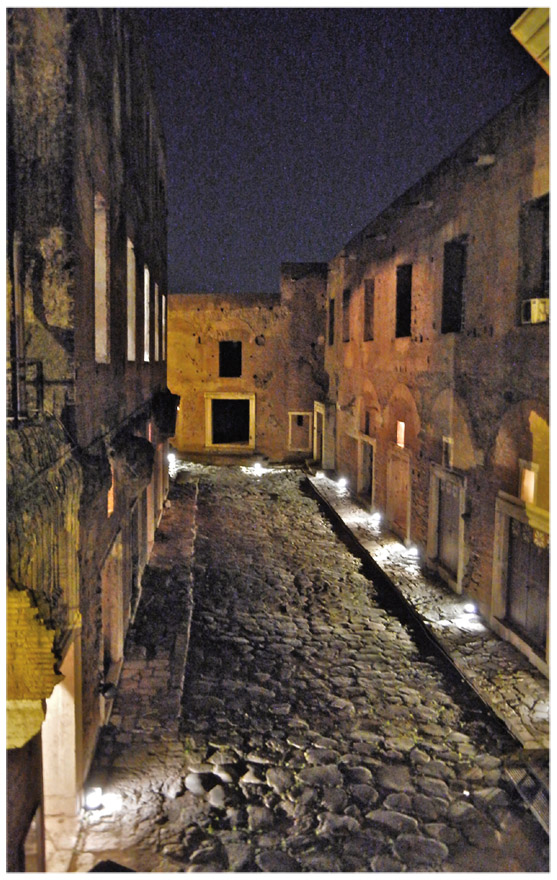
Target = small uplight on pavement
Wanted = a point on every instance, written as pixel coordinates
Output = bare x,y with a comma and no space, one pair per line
375,519
257,469
94,799
319,475
470,608
342,484
171,458
413,552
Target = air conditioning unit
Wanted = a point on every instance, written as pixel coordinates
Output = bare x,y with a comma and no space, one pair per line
535,311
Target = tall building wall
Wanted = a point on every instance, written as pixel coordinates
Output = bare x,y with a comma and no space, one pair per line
89,414
453,272
269,391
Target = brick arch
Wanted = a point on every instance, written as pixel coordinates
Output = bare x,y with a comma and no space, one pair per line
523,433
402,407
450,418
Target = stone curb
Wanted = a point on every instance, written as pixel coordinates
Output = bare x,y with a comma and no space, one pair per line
502,678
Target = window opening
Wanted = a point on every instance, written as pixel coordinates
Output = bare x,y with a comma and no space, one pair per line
369,307
534,249
447,452
131,282
146,315
400,429
403,299
110,496
528,482
157,327
230,359
163,311
454,269
331,321
346,316
101,274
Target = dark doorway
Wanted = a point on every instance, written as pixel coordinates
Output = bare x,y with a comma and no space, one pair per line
230,421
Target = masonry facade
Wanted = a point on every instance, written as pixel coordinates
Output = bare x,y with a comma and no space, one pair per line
437,359
89,413
247,368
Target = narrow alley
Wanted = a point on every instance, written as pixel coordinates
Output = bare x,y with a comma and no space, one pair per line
313,730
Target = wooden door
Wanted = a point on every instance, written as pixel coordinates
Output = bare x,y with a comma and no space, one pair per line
448,526
527,585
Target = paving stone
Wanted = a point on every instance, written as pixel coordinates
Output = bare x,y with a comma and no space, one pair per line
276,860
415,850
279,779
398,801
394,778
392,820
333,824
327,775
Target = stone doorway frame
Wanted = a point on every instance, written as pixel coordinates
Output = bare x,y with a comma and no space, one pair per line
365,441
228,395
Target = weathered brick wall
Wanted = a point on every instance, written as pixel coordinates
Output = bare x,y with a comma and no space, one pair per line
454,384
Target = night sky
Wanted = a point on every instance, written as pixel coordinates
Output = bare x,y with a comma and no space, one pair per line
288,130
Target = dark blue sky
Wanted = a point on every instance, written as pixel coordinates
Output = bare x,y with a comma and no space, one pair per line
288,130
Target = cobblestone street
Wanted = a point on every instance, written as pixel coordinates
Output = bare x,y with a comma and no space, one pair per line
316,731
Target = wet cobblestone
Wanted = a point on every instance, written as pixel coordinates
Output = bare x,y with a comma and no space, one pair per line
316,733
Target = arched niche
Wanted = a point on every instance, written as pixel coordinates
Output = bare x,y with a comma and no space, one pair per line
449,420
523,437
402,408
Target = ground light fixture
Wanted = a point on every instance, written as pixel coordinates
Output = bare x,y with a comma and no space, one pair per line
342,484
171,458
470,608
94,798
413,551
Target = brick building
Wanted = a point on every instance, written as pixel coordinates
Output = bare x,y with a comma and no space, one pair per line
248,368
437,358
88,409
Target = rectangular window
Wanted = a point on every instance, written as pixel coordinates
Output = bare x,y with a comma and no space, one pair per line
454,270
331,321
110,496
146,315
230,360
369,307
157,326
163,310
346,316
131,282
534,249
102,272
403,299
400,427
528,481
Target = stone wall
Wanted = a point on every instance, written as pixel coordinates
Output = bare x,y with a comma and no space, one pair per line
463,383
282,361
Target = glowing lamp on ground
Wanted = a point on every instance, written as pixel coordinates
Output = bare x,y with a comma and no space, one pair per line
413,551
94,799
171,458
470,608
257,469
342,483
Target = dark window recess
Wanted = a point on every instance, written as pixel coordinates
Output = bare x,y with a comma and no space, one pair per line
534,249
230,421
300,421
346,316
403,299
454,270
230,359
331,321
369,306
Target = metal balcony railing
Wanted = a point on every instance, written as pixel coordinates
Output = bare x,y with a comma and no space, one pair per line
25,389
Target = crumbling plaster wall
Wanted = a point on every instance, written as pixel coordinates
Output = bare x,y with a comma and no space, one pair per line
492,364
